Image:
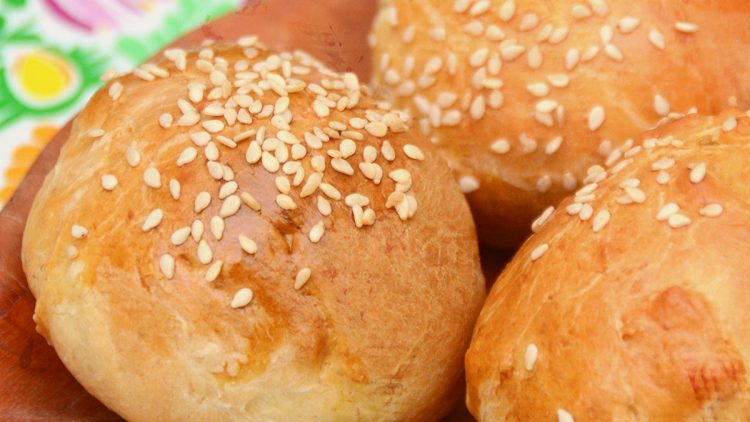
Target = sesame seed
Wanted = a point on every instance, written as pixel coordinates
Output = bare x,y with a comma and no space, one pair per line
558,35
321,110
132,156
574,208
202,201
698,173
115,91
636,195
270,163
596,118
109,182
507,10
400,175
213,271
196,230
166,120
285,202
215,170
569,181
530,357
564,416
152,178
143,74
534,57
712,210
342,166
217,227
663,177
78,232
613,52
529,145
248,245
538,89
667,211
586,212
572,57
500,146
539,251
377,129
180,236
539,222
201,138
628,24
546,106
324,206
153,220
437,34
242,298
205,255
227,189
599,7
511,52
544,183
213,126
347,147
468,184
230,206
95,133
529,22
663,163
678,220
553,145
581,11
72,252
558,80
479,57
657,39
330,191
686,27
302,277
413,152
356,199
661,105
166,265
317,231
387,150
601,220
729,124
250,201
479,7
187,156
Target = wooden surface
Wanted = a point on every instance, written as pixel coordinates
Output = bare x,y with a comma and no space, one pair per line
33,382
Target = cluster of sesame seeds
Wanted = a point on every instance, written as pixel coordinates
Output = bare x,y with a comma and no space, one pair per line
252,102
488,27
665,168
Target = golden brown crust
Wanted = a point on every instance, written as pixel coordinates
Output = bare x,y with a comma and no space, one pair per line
483,76
376,333
636,308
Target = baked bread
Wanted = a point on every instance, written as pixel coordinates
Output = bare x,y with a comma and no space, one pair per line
629,303
236,234
523,96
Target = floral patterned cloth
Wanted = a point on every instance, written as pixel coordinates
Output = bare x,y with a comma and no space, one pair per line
53,53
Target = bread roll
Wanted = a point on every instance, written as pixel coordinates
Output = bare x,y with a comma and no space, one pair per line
523,96
236,234
629,303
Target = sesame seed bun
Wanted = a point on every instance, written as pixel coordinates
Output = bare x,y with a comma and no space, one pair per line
630,302
236,234
523,96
